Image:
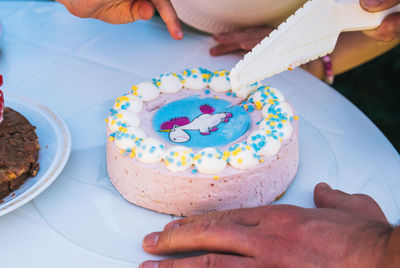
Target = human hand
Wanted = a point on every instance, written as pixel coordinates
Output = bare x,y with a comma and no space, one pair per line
343,231
242,40
126,11
390,27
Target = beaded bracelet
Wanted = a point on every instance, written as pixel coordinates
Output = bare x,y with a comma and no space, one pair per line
329,75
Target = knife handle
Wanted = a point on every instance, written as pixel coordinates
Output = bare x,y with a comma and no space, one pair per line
352,17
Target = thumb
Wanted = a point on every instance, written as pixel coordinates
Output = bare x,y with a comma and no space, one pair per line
360,204
325,197
378,5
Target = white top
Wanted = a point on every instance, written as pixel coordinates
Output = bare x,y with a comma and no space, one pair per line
216,16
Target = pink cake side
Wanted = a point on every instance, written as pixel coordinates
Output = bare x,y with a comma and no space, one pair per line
184,194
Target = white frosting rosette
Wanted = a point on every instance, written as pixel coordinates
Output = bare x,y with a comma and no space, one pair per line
210,160
280,107
146,90
178,158
220,81
242,156
168,83
123,118
264,95
196,78
278,125
264,144
150,151
129,102
245,91
129,138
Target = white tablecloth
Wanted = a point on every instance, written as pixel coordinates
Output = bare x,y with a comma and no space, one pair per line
77,66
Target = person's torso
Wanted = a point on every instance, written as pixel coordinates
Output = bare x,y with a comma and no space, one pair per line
227,15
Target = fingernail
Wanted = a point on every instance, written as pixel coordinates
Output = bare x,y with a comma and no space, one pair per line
372,3
150,240
171,225
149,264
179,34
324,186
213,51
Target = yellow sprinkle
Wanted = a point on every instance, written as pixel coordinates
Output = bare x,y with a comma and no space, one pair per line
226,155
185,73
248,147
258,105
120,116
183,81
216,97
166,162
240,160
111,138
113,122
132,154
135,93
158,83
176,154
197,157
290,68
122,129
216,177
121,151
184,163
295,117
261,160
135,88
106,120
246,106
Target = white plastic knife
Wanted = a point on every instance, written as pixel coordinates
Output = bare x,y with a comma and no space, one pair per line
310,33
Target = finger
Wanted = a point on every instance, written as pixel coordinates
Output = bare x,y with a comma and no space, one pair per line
169,16
388,30
224,49
249,45
244,216
205,235
142,10
203,261
378,5
360,204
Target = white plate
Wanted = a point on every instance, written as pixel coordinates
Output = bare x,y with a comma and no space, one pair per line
55,147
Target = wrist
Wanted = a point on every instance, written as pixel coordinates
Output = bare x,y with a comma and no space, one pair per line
391,257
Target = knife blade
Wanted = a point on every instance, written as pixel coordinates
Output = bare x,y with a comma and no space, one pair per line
311,32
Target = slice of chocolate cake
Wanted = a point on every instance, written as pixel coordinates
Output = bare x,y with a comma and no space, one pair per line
19,150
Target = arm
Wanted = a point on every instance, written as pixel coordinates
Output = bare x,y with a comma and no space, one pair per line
352,50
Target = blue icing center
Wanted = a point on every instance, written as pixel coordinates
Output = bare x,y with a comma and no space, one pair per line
201,122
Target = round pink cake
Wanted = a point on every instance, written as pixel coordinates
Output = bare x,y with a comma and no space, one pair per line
188,144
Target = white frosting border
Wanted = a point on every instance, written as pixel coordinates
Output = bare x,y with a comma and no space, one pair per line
264,97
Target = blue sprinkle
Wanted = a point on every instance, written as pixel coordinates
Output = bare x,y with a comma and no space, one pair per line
207,91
